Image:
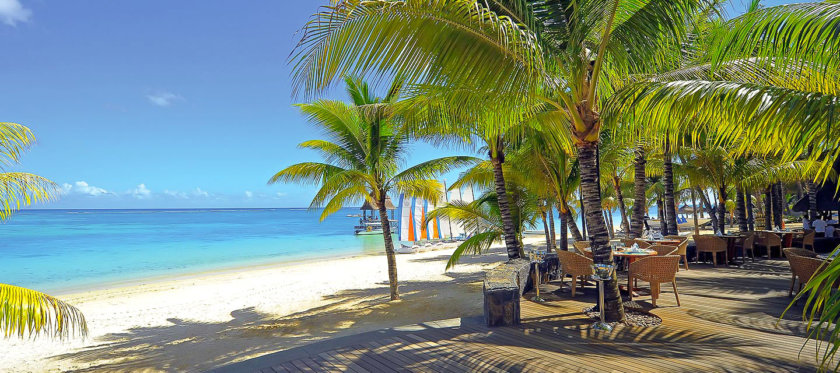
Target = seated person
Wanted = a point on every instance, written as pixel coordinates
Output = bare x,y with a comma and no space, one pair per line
806,225
819,227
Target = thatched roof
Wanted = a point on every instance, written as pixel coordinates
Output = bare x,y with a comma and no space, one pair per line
388,205
828,197
686,209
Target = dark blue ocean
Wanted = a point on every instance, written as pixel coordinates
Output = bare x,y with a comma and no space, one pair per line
58,250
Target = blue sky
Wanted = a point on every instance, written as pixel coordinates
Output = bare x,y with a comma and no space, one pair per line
149,104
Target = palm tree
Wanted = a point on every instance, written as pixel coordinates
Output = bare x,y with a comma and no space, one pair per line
615,161
24,311
363,154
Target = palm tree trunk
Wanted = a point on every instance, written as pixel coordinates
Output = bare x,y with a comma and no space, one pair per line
639,187
598,239
547,233
777,205
582,215
768,208
389,245
812,200
741,210
722,209
694,207
511,242
708,206
670,202
750,207
663,221
625,223
551,228
564,233
571,223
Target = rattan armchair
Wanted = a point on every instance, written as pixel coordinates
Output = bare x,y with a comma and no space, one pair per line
581,247
801,267
627,242
575,265
713,245
769,241
808,240
682,248
656,270
799,252
746,244
662,250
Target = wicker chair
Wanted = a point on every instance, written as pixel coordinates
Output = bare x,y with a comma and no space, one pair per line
663,250
746,244
799,252
575,265
580,246
711,244
682,248
808,240
656,270
769,241
802,267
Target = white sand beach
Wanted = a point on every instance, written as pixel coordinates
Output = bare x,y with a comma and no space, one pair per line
202,321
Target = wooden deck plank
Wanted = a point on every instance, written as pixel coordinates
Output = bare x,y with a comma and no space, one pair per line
729,320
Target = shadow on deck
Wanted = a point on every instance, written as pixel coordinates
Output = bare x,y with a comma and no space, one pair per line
729,321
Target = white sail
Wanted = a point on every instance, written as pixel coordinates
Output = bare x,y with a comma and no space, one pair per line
457,228
405,218
419,234
443,222
468,195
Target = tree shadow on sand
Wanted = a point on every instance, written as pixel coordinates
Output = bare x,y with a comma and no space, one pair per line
188,345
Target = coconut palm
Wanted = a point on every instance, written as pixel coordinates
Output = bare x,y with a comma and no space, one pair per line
363,152
24,311
615,161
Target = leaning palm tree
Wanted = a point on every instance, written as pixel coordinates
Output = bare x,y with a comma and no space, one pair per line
363,152
24,311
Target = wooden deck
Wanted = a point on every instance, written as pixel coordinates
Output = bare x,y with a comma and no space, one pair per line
729,321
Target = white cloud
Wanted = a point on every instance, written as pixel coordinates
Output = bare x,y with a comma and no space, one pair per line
12,12
82,187
176,194
249,194
279,195
141,192
200,193
162,99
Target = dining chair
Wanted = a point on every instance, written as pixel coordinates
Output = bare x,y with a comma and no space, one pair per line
769,241
802,267
642,244
655,270
746,244
711,244
808,240
662,250
575,265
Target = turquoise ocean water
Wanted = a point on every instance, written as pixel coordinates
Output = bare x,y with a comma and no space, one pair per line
61,250
57,250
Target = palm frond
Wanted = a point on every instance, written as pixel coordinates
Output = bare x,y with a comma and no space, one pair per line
28,312
23,189
474,245
14,139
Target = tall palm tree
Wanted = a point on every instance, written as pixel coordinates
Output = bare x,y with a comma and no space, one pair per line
363,153
615,161
24,311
